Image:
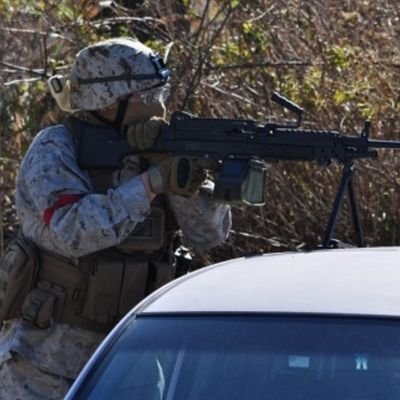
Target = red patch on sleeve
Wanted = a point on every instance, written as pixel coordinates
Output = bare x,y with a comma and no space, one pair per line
62,201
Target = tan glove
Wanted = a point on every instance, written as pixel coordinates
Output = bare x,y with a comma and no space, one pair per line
142,135
187,176
177,175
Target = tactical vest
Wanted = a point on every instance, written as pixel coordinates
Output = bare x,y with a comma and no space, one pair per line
95,291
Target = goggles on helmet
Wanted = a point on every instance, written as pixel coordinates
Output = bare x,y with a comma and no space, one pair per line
158,94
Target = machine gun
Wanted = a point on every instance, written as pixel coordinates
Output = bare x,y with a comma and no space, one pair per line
240,147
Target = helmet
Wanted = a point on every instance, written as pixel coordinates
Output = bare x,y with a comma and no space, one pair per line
106,72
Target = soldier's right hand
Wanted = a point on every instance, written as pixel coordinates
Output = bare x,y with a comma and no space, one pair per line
142,135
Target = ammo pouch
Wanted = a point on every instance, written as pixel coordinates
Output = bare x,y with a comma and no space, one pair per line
18,272
114,286
117,282
41,305
92,292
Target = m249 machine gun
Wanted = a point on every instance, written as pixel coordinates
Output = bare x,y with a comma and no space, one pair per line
239,147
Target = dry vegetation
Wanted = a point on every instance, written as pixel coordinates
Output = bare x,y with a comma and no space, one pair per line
338,59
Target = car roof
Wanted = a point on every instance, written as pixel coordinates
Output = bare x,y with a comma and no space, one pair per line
353,281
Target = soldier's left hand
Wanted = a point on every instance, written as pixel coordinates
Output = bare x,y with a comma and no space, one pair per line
142,135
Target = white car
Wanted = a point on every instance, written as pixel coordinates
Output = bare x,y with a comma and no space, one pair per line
314,326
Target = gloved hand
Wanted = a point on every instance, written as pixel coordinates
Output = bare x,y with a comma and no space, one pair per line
178,175
142,135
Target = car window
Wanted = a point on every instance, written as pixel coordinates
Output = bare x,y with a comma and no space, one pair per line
250,357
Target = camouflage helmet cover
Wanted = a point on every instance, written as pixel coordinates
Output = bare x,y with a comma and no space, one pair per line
109,70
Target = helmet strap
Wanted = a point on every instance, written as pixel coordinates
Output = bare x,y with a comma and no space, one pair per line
121,111
119,118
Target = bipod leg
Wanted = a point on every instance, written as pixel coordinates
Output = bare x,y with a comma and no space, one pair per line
344,184
355,214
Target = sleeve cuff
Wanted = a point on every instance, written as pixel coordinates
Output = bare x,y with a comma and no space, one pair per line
133,195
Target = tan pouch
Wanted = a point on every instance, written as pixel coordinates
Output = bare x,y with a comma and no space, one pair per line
116,283
43,304
104,285
164,273
134,285
18,271
147,235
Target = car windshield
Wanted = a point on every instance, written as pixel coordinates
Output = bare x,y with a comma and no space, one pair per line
250,357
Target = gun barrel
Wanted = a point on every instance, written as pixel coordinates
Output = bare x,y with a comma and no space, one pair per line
388,144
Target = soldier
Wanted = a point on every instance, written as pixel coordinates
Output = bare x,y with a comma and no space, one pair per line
105,239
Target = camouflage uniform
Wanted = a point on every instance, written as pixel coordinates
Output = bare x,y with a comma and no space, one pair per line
42,363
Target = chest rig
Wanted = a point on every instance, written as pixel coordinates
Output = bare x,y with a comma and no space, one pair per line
157,230
95,291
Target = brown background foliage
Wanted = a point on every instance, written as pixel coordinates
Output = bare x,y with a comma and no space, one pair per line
338,59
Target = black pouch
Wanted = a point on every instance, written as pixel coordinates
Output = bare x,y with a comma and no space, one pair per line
18,271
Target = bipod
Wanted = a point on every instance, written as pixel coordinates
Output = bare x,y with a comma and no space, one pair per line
346,183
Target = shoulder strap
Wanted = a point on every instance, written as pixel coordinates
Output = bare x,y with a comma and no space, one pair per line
101,178
75,126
